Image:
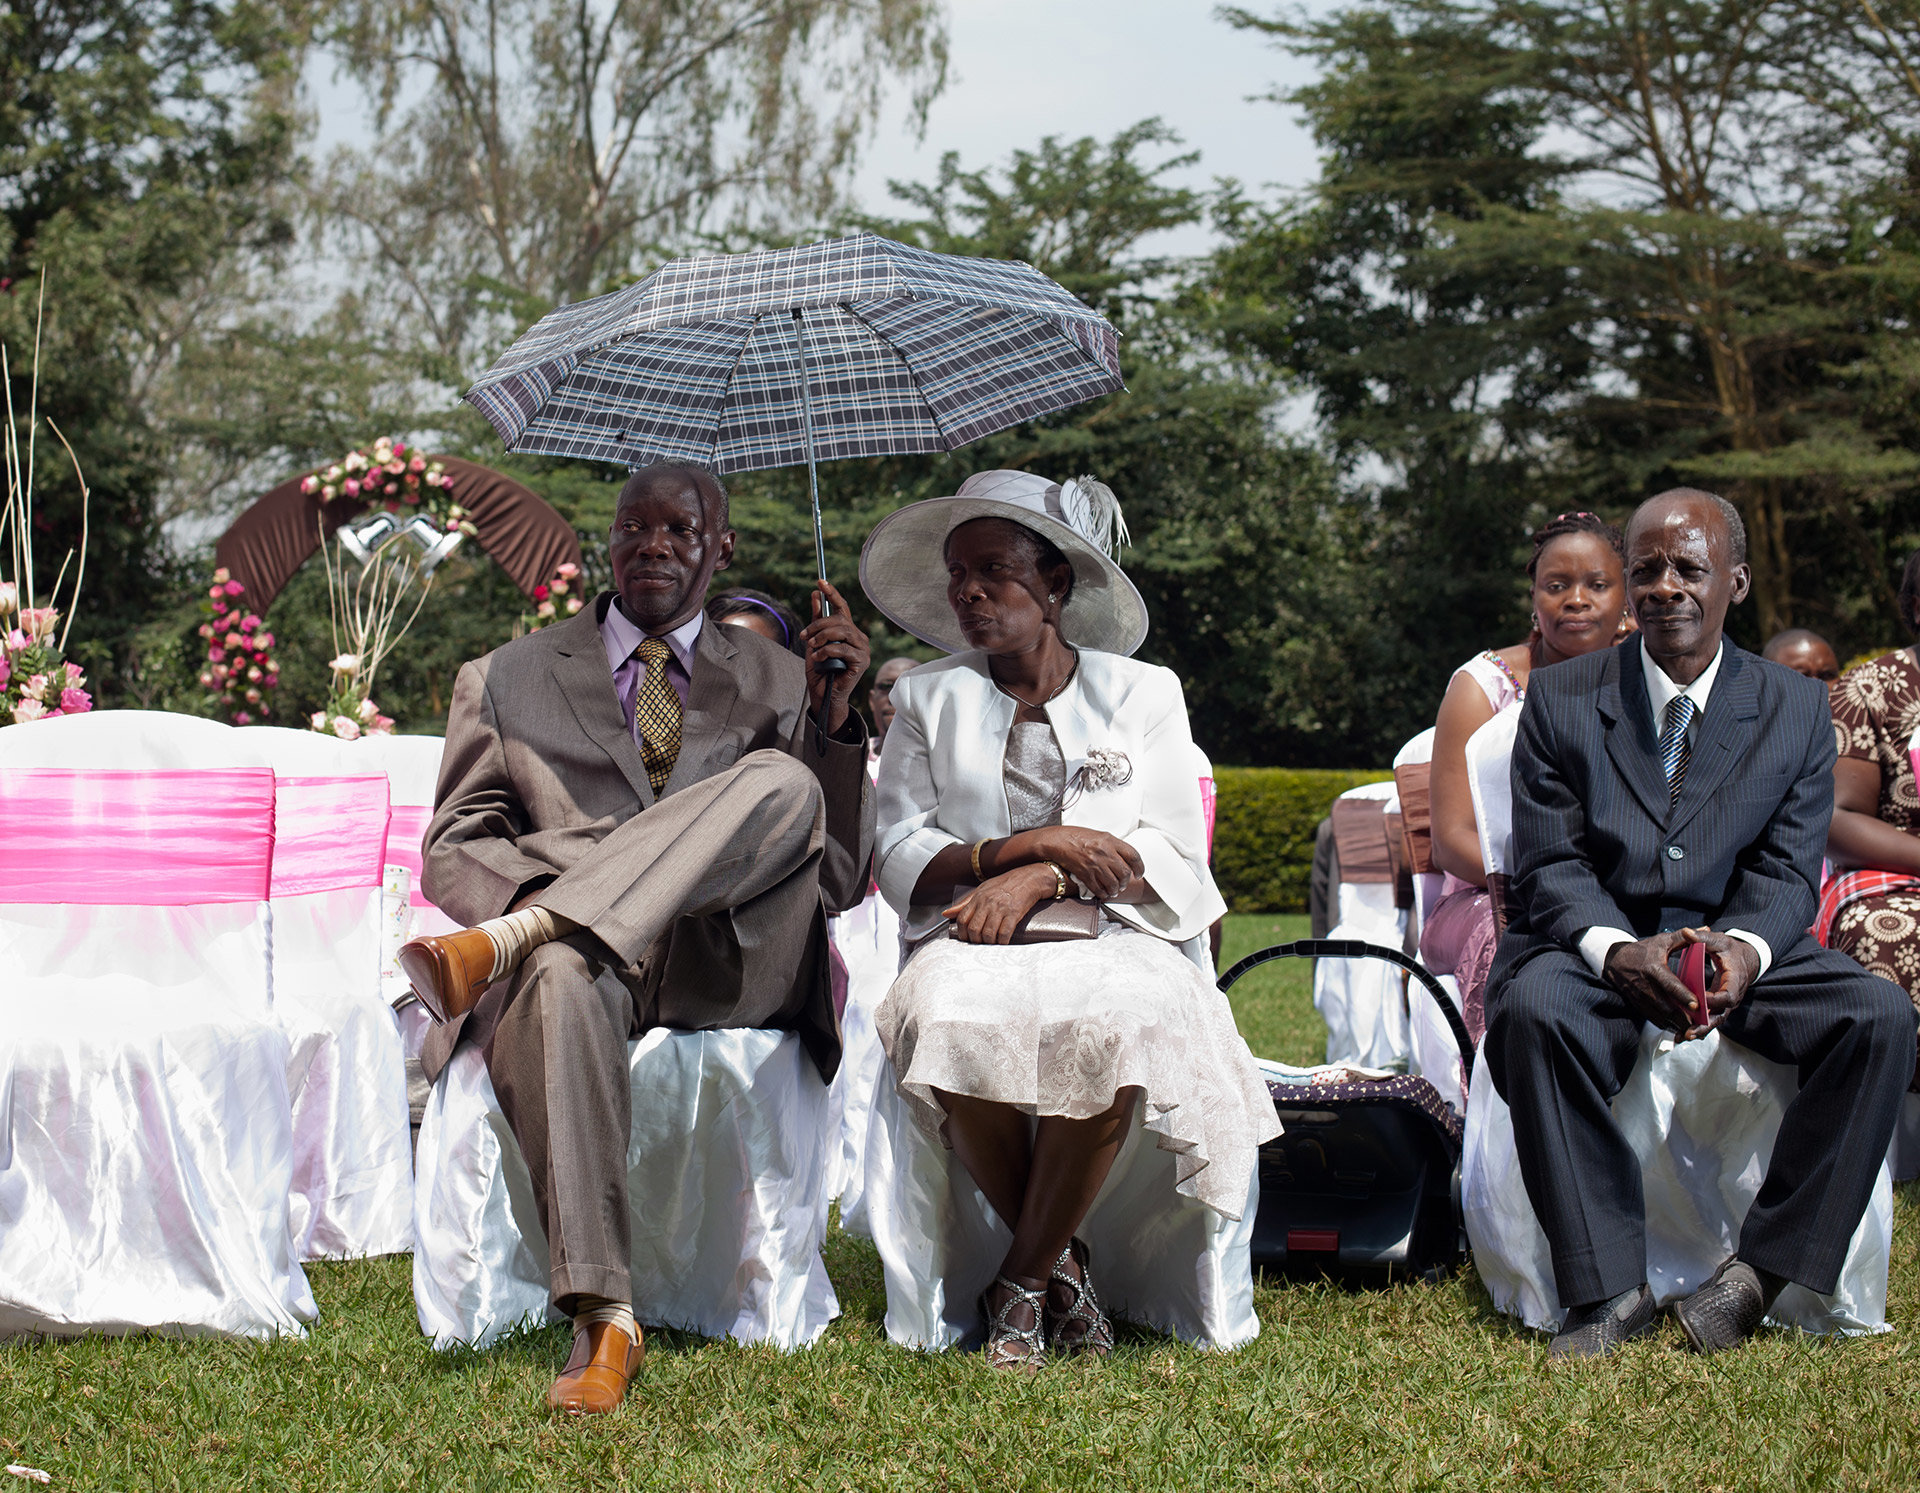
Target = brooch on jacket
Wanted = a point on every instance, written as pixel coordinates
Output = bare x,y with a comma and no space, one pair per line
1103,768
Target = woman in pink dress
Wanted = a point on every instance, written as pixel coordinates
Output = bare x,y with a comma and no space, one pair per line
1579,593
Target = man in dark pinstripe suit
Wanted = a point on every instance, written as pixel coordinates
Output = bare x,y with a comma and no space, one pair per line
1675,790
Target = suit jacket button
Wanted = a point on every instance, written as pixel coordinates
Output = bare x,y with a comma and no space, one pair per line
1675,853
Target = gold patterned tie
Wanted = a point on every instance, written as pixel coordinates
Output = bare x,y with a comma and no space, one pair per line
656,712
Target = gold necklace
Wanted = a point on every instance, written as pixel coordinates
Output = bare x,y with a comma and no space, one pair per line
1050,698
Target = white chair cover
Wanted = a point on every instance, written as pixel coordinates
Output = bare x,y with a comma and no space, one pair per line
868,939
1697,1191
146,1147
1426,884
353,1164
1435,1056
1160,1259
725,1170
1490,781
1364,1001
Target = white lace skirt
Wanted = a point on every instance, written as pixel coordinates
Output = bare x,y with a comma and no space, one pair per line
1061,1028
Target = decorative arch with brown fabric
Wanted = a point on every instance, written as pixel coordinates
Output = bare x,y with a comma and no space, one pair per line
517,527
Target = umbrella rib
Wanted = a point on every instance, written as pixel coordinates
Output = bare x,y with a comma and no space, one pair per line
726,389
913,381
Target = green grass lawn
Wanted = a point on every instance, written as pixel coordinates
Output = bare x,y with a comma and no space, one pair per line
1417,1386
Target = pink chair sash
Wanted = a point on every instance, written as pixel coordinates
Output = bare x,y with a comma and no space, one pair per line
328,834
135,839
1207,798
406,829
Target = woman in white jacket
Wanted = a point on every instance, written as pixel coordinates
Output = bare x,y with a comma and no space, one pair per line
1041,763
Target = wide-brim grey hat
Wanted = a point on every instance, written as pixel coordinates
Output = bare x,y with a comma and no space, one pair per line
903,567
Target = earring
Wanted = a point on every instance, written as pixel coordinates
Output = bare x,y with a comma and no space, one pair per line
1051,598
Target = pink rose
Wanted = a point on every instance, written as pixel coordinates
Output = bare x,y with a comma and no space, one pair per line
206,681
242,719
234,588
396,466
346,728
382,726
6,669
253,675
206,629
433,479
222,576
249,622
318,720
36,685
308,484
217,655
38,622
74,676
352,485
28,710
234,640
16,640
75,701
418,464
399,448
567,571
265,640
253,697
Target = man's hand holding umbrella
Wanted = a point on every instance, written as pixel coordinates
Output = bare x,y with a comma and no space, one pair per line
832,635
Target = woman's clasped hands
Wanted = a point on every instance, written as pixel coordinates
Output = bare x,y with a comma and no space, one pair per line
1103,864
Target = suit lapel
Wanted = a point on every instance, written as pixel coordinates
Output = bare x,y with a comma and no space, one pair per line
711,693
1726,736
586,683
1632,743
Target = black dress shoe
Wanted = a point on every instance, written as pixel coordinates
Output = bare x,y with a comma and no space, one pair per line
1728,1309
1595,1330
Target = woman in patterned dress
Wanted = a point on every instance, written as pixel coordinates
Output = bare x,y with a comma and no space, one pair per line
1871,909
1579,598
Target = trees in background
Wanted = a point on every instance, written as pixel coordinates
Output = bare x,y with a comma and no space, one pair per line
144,149
1564,253
1559,254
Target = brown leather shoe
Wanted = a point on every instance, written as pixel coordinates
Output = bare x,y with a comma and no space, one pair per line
595,1380
449,972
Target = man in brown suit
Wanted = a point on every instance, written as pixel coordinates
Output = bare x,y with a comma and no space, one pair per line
638,816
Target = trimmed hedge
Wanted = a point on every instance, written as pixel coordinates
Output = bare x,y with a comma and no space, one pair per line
1265,820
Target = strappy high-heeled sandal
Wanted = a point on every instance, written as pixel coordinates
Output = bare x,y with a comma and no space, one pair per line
1010,1347
1083,1327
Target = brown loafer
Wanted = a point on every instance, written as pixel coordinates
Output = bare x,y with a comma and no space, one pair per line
449,972
595,1380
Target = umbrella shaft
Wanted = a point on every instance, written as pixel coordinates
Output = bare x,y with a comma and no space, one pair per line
813,477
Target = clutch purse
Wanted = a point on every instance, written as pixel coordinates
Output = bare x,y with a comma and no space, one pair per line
1060,920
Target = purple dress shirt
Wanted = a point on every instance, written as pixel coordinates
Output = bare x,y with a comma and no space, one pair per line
621,636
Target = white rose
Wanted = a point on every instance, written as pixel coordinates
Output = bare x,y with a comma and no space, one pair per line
367,711
318,720
28,710
346,728
346,663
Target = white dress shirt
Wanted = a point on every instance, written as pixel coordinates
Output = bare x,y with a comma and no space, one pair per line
1597,943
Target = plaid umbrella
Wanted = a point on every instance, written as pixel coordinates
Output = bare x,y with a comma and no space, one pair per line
854,346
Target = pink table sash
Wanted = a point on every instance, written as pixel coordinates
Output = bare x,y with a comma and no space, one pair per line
406,829
328,834
135,839
1208,795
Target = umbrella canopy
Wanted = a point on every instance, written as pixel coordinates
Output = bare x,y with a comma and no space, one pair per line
905,351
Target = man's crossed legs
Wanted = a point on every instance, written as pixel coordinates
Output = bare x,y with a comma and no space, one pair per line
700,913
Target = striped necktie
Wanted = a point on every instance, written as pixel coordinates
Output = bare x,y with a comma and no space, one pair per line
1675,752
656,713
